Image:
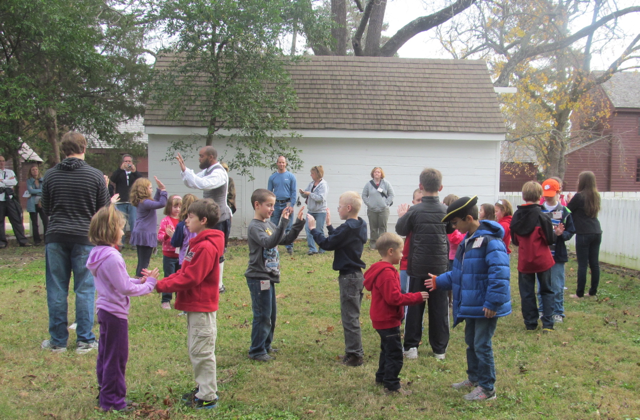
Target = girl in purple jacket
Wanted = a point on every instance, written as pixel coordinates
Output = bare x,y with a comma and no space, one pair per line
145,234
114,288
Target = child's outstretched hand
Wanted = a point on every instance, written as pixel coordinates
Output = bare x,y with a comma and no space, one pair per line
161,186
559,230
301,213
169,230
287,212
146,273
402,209
430,282
115,198
311,221
425,296
488,313
328,219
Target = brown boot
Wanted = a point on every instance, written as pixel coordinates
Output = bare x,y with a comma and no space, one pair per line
352,360
399,391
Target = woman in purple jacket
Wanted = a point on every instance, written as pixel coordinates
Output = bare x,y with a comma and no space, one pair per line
145,233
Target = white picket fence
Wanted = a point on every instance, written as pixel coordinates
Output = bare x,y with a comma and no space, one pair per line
620,220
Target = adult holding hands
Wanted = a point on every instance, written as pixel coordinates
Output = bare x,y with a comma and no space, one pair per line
315,196
145,235
378,196
283,184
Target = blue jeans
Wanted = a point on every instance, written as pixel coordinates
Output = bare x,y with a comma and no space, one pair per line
61,259
557,287
275,218
130,212
404,286
169,267
588,253
263,305
478,333
320,220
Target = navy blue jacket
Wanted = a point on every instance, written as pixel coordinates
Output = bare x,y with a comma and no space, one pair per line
480,275
178,235
559,249
348,241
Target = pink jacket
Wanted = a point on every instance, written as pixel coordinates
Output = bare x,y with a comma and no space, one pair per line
167,250
454,240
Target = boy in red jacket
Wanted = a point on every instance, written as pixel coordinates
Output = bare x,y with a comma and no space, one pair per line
197,287
387,302
532,232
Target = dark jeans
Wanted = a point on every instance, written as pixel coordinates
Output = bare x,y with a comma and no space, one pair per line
478,333
34,223
263,305
275,218
11,209
527,285
390,363
224,227
113,353
350,300
438,308
169,267
144,257
588,250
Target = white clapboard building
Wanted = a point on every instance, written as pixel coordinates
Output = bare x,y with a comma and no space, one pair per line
355,113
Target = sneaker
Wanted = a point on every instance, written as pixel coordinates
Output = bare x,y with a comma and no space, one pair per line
262,358
532,327
272,350
547,330
166,305
399,391
290,251
311,253
438,356
222,289
353,360
540,314
479,393
464,384
557,319
199,404
412,353
191,395
46,345
84,347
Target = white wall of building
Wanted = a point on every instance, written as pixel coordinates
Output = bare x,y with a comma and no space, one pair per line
469,167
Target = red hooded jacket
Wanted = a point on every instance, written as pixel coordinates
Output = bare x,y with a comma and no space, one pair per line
505,222
387,301
197,281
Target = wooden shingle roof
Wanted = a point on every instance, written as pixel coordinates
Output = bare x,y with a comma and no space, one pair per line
623,89
383,94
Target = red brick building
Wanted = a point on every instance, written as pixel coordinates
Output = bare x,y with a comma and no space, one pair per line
610,147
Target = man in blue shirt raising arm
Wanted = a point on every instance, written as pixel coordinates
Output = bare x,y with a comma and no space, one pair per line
283,184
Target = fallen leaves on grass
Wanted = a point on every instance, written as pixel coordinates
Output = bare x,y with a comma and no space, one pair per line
161,372
281,296
20,291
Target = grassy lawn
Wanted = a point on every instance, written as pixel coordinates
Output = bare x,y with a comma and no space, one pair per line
588,368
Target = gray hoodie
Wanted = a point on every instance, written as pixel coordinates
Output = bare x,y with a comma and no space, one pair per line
375,201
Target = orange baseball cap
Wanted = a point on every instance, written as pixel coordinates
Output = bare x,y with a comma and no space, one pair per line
550,187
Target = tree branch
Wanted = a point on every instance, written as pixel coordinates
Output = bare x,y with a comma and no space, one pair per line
357,37
422,24
359,5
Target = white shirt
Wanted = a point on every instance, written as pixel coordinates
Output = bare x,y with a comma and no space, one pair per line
7,179
200,181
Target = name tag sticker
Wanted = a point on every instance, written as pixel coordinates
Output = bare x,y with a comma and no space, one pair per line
380,189
478,242
557,215
265,285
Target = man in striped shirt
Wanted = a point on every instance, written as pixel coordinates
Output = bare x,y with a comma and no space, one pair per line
72,192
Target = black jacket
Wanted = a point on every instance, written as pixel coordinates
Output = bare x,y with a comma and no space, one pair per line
429,247
348,241
119,177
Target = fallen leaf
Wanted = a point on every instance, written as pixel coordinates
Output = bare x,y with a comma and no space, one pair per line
167,401
286,322
626,312
244,304
29,376
330,328
606,299
310,411
311,271
161,372
368,297
20,291
609,282
564,343
23,394
281,296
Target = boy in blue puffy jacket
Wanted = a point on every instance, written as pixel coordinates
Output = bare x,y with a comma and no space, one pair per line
481,294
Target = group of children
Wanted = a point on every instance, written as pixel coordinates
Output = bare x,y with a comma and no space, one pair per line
447,248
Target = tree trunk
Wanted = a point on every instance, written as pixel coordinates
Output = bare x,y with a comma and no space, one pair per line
374,31
339,31
51,126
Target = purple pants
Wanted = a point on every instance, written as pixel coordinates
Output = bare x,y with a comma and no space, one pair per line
113,353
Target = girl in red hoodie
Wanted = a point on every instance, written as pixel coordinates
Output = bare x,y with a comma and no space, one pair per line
504,213
387,301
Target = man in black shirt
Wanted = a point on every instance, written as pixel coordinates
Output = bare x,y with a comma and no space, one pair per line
123,179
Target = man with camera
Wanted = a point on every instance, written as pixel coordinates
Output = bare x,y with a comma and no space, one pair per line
123,178
9,207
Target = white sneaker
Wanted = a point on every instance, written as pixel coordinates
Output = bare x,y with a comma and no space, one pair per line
439,356
412,353
557,319
84,347
46,345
